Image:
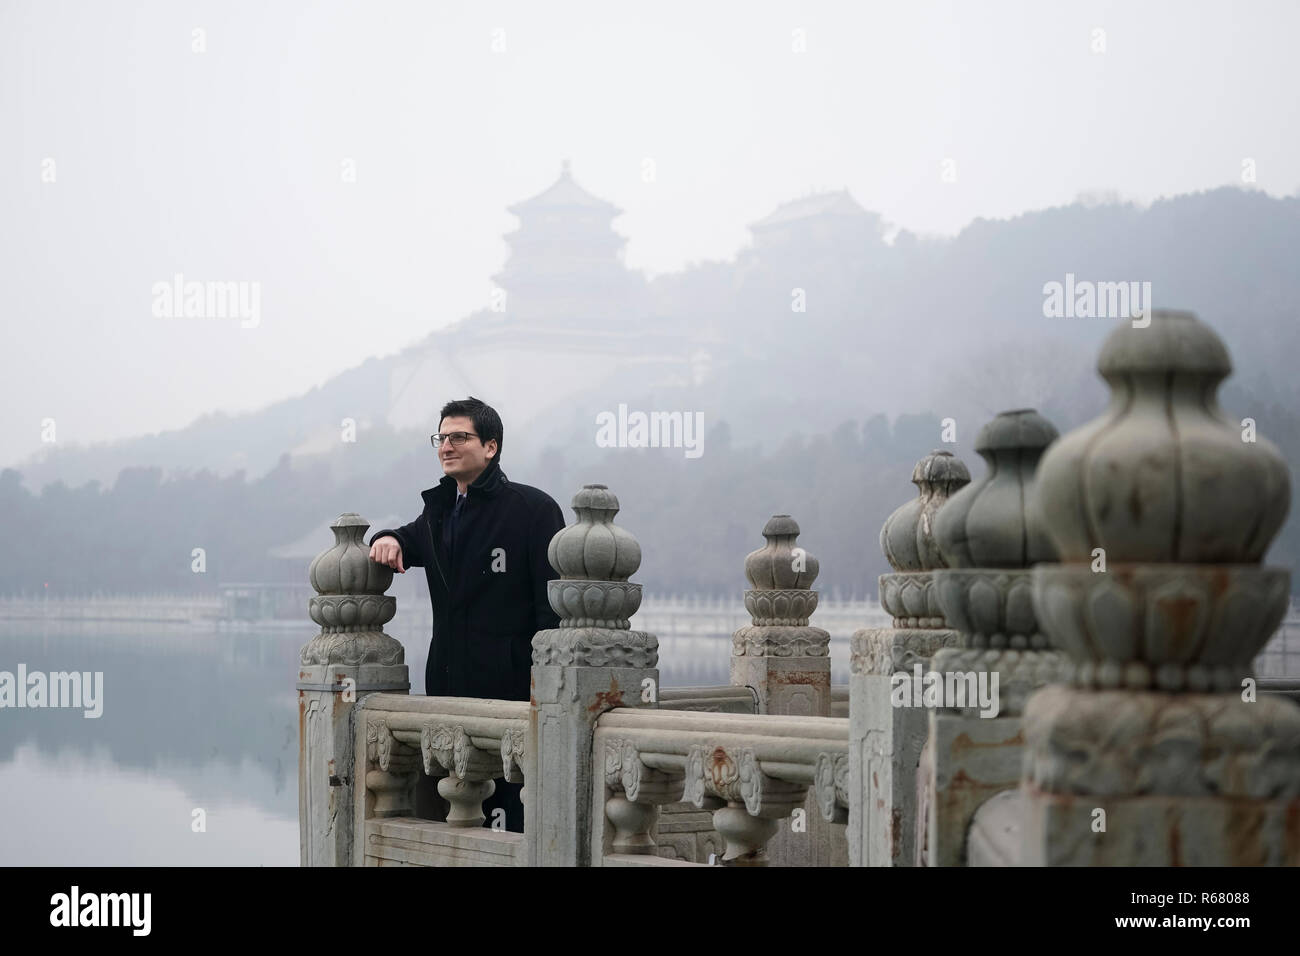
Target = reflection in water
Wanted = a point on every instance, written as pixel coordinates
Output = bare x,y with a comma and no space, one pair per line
192,719
71,808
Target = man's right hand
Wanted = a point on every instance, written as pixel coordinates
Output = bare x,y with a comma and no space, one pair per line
388,550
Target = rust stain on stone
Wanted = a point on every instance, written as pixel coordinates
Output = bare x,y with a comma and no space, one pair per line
1219,582
607,699
1179,614
962,743
896,828
957,794
1244,834
963,781
961,797
721,768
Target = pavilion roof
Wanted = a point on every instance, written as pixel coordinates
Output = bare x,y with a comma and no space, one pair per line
564,193
838,203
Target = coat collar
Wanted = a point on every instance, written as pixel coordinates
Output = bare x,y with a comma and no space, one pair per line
485,485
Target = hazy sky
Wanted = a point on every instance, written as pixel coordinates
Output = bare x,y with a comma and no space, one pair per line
228,164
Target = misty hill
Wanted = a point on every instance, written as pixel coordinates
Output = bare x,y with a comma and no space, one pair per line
916,326
799,355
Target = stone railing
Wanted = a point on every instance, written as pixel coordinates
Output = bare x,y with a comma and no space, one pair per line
1114,605
465,744
840,696
750,772
723,699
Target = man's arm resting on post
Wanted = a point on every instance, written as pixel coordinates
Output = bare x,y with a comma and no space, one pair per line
410,549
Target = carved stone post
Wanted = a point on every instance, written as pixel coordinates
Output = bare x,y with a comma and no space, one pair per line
788,665
989,539
1159,752
747,804
387,781
467,774
350,657
885,741
636,795
591,663
786,662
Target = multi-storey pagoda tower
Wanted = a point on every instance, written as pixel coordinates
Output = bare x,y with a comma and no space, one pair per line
566,261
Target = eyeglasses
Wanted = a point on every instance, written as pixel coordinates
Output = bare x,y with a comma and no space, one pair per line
456,438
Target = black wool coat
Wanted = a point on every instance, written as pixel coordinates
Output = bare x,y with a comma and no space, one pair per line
489,599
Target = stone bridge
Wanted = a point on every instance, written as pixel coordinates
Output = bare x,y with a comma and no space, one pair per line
1066,679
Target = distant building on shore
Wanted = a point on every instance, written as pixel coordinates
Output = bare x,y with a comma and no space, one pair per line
564,300
820,223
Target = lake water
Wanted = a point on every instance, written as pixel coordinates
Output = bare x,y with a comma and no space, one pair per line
193,719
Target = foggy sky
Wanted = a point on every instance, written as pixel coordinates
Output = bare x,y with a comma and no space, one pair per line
226,165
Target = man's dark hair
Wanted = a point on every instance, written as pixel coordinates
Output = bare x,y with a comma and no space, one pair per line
486,420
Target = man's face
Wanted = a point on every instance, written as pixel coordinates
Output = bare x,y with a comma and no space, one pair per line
464,462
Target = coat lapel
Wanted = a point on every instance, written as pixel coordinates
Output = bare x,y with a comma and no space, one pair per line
435,505
462,577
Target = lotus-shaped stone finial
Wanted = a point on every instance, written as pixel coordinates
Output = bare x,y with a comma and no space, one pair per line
594,548
1164,475
907,537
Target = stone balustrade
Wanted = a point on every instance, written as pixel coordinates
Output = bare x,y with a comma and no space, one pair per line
466,744
750,771
840,695
723,699
1110,580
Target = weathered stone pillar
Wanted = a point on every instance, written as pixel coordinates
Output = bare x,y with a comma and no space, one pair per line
1159,753
885,741
591,663
989,539
788,665
786,662
350,657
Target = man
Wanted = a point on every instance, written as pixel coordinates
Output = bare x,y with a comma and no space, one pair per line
482,542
